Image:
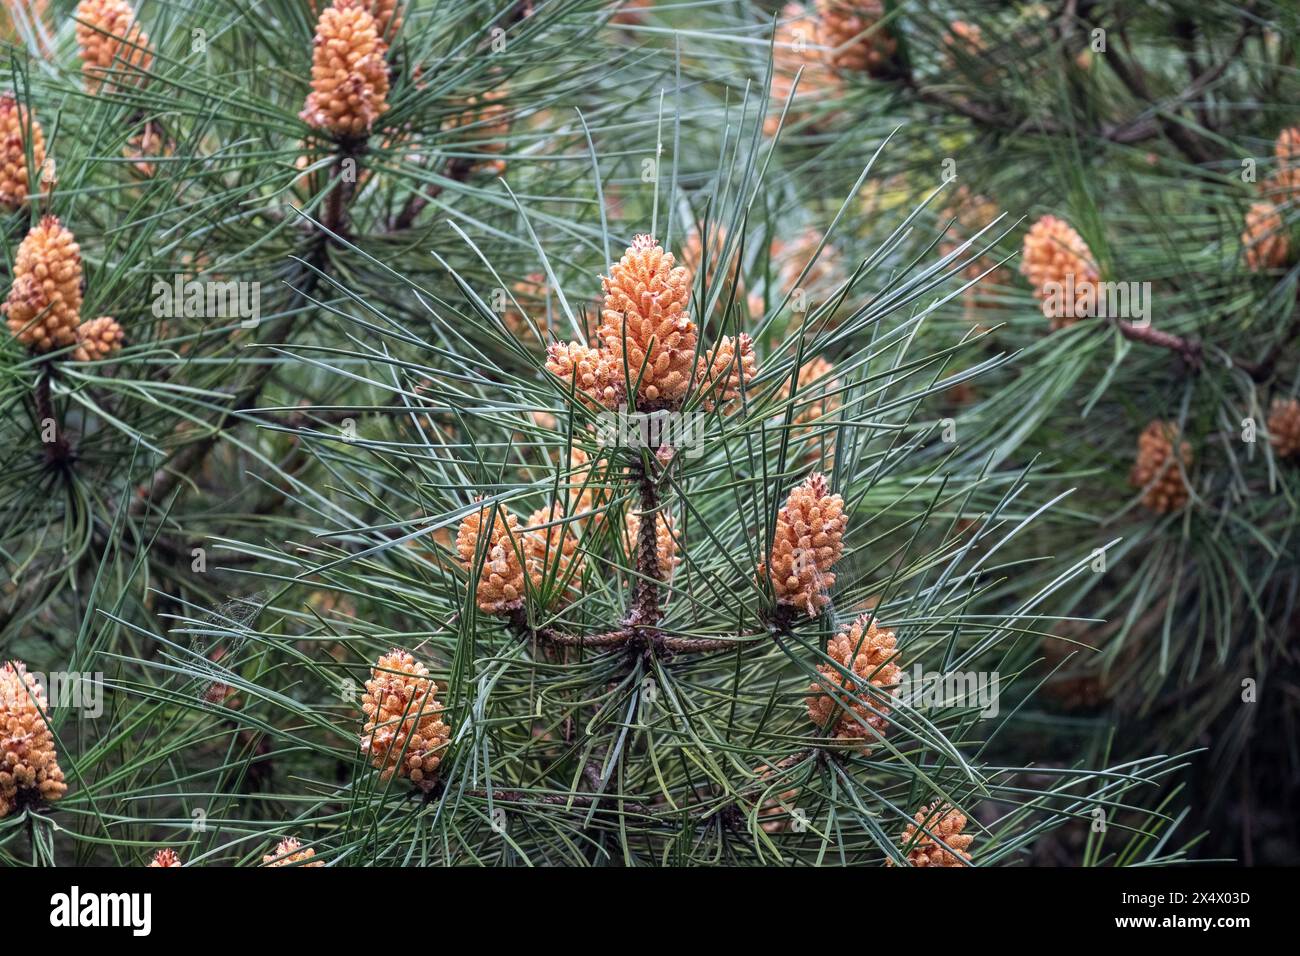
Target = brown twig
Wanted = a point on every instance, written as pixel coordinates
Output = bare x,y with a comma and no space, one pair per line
615,638
1191,351
645,603
458,170
1135,129
1188,349
699,645
57,452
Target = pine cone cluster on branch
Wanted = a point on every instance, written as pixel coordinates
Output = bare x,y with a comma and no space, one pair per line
1284,427
848,698
1158,470
98,339
948,847
1060,267
17,128
404,733
858,41
43,308
29,763
501,578
349,75
289,852
115,51
808,541
645,354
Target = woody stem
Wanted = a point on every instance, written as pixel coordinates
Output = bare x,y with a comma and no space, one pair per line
336,207
56,451
1189,349
645,605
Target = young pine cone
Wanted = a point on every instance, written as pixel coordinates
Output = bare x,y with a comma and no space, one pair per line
144,146
98,339
15,178
971,213
485,122
645,327
794,47
501,579
404,732
1287,148
1264,238
29,765
1284,427
551,550
349,78
112,44
726,371
868,653
809,539
696,259
843,25
816,398
1055,253
665,542
289,852
43,309
795,256
582,367
165,857
531,294
944,822
1156,469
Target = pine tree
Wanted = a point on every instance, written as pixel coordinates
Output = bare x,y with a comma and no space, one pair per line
1126,174
481,434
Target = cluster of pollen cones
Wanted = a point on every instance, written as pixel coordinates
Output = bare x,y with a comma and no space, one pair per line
645,352
115,51
29,764
514,559
19,133
1265,241
290,852
849,697
807,542
1159,469
1061,269
1284,427
43,308
404,734
936,837
349,74
828,41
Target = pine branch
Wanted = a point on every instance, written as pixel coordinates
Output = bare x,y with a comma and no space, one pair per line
646,611
58,452
1189,350
190,459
